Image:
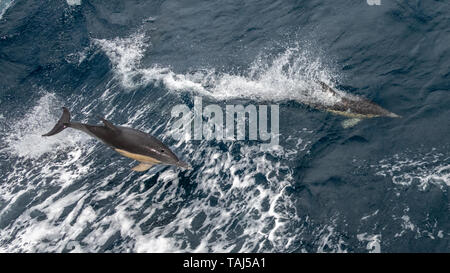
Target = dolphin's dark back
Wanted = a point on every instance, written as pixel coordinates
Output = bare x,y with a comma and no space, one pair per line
131,140
128,139
353,106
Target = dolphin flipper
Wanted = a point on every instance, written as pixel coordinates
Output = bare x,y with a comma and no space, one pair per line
348,123
327,88
142,167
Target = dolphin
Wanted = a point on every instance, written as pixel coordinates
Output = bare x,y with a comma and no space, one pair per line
352,106
128,142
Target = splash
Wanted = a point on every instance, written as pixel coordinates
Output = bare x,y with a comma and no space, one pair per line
291,75
125,55
25,137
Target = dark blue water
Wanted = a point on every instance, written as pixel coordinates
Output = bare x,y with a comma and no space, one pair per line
378,186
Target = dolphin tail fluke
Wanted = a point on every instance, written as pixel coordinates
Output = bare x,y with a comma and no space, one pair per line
62,123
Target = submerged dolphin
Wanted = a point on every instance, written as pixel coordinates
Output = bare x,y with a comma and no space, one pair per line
128,142
352,106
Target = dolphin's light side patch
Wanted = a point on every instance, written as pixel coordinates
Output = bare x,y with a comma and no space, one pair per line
138,157
142,167
351,115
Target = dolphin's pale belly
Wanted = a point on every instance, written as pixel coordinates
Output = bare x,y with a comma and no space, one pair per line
138,157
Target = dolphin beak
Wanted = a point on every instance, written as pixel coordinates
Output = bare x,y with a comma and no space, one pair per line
392,115
183,165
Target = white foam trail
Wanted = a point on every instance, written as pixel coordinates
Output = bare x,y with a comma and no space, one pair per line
5,4
156,245
236,197
373,242
408,227
73,2
292,75
126,54
423,170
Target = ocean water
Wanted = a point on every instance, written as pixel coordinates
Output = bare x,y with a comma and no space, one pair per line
380,185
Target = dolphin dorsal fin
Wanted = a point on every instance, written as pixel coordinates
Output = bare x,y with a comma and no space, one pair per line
327,88
109,125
